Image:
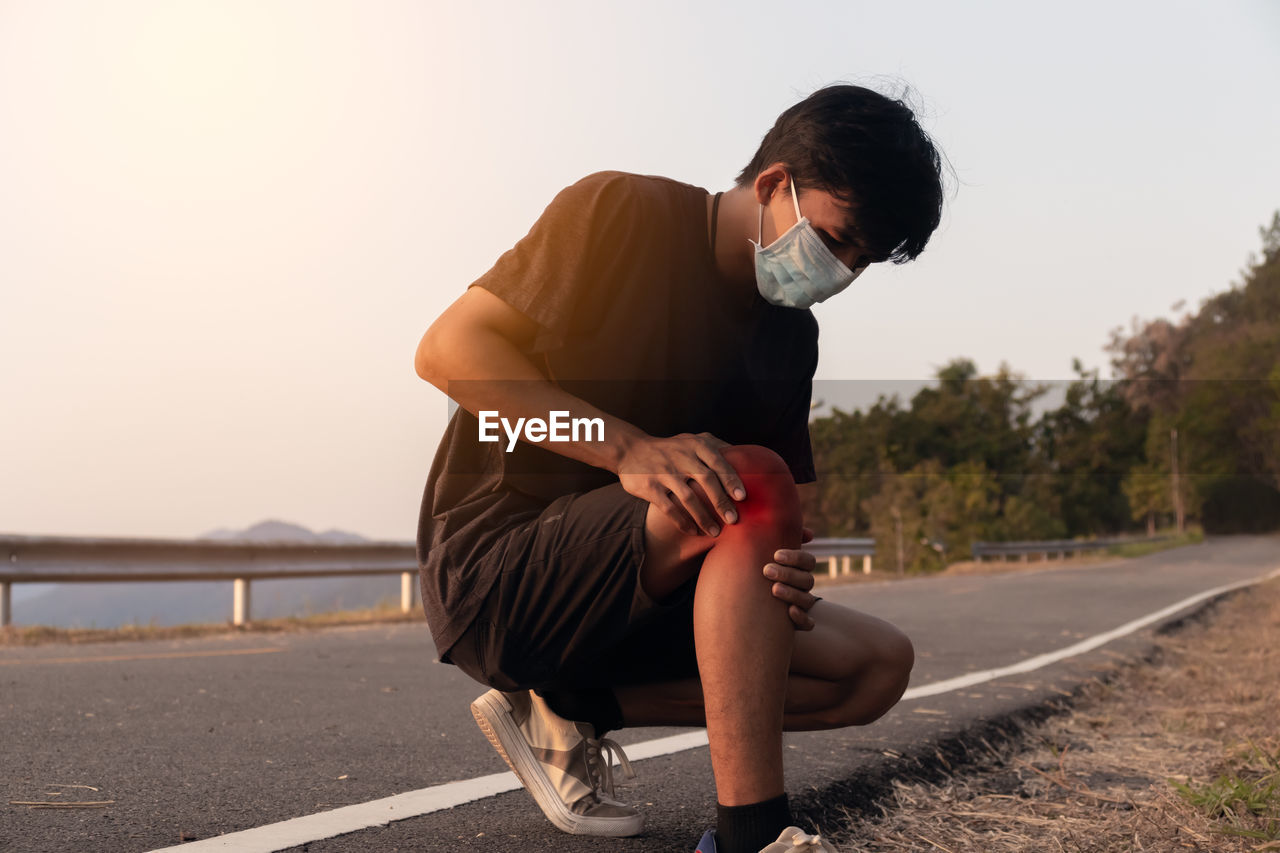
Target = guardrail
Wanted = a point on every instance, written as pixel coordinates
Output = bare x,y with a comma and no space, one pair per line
1061,547
56,559
843,551
50,559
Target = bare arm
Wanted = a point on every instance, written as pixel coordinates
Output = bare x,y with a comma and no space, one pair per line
480,337
483,339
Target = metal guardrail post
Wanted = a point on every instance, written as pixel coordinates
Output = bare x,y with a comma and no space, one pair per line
406,592
6,604
839,554
241,602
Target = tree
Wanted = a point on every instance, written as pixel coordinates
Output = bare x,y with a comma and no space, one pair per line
848,449
1213,377
959,506
1146,488
1088,444
970,418
964,460
896,519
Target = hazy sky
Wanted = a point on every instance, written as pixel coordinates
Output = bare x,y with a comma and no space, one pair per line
225,225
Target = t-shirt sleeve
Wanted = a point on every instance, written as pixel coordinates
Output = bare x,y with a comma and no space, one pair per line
553,270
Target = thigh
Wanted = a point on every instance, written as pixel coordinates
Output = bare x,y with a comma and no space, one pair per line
844,642
671,555
566,589
657,646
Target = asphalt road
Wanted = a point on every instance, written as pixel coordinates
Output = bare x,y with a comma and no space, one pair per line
194,738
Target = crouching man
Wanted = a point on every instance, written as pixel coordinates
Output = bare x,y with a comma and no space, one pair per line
648,569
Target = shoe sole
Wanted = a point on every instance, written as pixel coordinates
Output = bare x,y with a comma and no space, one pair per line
493,716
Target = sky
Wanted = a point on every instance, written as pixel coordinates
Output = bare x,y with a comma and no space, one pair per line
224,226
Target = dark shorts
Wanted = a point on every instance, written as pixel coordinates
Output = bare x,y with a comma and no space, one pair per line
567,610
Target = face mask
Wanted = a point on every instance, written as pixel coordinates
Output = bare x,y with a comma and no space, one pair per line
798,270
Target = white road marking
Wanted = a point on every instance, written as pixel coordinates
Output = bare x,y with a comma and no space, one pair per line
316,827
1079,648
303,830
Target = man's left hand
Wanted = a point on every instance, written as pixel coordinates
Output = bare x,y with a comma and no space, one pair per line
792,574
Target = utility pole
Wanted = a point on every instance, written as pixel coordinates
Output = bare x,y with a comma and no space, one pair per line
897,524
1178,512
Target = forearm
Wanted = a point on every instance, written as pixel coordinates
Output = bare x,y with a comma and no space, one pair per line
484,372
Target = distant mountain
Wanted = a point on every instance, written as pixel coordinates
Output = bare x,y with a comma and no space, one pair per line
272,530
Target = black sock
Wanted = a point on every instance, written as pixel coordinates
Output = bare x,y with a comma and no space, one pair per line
597,706
751,828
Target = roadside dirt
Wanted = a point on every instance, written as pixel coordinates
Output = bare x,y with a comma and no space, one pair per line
17,635
966,567
998,567
1182,753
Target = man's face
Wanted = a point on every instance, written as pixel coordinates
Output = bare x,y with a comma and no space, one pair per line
829,216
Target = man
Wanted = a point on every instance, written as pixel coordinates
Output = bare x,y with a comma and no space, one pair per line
611,531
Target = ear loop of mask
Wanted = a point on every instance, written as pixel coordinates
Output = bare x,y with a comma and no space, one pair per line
795,200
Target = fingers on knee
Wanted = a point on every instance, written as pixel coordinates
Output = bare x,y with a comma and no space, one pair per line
772,501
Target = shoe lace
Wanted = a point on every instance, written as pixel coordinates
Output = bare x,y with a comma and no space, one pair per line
802,841
601,753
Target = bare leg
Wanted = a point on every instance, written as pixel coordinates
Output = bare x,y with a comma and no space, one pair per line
743,635
848,671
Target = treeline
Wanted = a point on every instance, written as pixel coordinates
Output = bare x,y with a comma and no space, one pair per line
1188,431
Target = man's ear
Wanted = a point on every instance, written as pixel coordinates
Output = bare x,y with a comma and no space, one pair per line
769,180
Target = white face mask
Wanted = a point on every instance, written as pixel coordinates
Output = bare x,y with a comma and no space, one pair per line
798,270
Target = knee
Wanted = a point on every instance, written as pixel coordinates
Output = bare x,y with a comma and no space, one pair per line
753,459
892,655
872,650
896,657
898,654
867,692
772,502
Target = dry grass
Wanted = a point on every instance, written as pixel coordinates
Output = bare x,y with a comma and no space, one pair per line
1000,567
1037,562
1183,754
38,635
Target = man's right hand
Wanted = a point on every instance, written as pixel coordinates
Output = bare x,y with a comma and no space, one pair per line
686,478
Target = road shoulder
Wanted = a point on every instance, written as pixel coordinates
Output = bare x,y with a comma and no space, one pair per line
1176,750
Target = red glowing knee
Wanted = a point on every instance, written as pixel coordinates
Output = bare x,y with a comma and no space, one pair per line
772,505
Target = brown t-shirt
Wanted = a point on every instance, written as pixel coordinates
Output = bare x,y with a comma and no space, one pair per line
633,317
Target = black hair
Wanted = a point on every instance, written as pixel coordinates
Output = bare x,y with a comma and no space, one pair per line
869,151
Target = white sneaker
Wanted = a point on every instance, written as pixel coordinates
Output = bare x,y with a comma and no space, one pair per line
567,769
792,840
